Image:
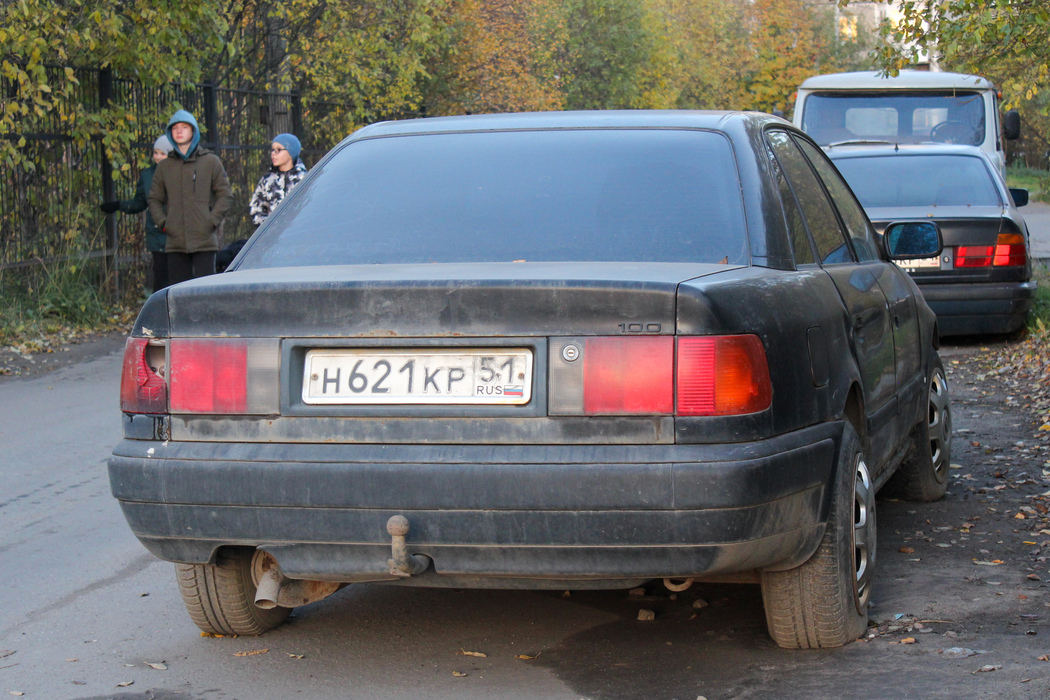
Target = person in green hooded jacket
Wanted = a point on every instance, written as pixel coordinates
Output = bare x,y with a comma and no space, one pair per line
156,241
189,197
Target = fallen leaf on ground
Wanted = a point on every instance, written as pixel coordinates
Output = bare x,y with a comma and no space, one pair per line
473,653
295,656
216,636
16,692
906,550
646,615
253,652
4,653
458,674
908,640
995,562
525,657
960,652
988,669
125,684
156,665
1045,657
72,660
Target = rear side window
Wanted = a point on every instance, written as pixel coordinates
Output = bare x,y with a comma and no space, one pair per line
820,216
920,181
567,195
852,215
792,215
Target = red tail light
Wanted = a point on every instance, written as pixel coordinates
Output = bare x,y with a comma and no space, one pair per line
974,255
209,375
722,375
142,387
642,375
628,376
1010,250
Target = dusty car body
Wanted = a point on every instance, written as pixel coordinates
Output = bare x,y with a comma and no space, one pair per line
569,350
982,280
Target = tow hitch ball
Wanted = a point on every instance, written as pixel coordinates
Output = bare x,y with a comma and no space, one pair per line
401,563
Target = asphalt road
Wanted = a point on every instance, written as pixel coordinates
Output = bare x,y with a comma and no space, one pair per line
86,608
1037,215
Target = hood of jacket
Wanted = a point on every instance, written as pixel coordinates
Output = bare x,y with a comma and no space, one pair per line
184,116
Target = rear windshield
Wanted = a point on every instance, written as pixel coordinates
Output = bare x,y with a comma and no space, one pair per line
913,118
570,195
919,181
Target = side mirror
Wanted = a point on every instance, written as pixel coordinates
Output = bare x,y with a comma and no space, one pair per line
1012,125
913,240
778,113
1020,196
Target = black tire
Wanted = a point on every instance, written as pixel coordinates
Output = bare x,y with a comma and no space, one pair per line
220,597
923,475
824,602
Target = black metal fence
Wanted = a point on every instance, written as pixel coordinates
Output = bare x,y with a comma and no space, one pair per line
49,204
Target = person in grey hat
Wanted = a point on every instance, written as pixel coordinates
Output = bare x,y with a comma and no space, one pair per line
155,239
286,171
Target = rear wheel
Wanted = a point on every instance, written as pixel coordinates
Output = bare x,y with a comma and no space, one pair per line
923,475
824,602
220,597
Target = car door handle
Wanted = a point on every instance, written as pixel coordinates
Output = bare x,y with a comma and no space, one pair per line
864,318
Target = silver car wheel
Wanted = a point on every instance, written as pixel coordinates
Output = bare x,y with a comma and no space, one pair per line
940,422
864,534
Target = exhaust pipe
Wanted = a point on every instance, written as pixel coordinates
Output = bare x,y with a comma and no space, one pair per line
269,588
677,587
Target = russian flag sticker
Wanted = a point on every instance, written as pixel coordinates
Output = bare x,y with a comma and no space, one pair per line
513,390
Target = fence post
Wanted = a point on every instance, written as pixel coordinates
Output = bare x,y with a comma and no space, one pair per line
297,116
211,116
109,192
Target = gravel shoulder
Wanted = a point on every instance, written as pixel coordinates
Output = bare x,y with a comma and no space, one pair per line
45,356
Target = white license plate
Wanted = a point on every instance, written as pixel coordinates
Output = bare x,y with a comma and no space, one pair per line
415,376
922,263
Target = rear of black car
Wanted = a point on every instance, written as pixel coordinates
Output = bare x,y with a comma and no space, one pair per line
981,283
515,353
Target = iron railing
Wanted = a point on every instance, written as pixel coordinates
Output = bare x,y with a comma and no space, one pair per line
49,205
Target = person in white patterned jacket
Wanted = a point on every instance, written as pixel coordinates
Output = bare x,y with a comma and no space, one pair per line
285,173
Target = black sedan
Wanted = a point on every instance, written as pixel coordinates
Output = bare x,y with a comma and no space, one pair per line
982,280
571,350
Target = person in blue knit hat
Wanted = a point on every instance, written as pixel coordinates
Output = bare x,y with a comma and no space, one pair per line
286,171
156,241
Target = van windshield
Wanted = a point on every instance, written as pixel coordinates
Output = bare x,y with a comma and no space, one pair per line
915,117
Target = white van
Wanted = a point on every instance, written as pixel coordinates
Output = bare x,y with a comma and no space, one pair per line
914,107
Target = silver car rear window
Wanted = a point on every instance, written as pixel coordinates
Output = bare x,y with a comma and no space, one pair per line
559,195
919,181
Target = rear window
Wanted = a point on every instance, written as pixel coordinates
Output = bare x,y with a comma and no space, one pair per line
919,181
571,195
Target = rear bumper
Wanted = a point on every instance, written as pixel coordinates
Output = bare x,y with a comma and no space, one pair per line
563,512
967,309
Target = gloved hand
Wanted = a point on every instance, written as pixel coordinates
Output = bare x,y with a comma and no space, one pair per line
109,207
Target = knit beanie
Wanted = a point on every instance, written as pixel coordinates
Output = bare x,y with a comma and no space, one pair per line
290,143
162,144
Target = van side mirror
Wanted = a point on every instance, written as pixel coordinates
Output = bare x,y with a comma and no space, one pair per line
1012,125
1019,195
913,240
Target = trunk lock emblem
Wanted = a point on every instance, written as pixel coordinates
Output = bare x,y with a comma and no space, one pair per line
570,353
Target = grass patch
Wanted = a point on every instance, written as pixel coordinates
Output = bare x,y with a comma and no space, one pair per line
1039,316
1037,182
47,305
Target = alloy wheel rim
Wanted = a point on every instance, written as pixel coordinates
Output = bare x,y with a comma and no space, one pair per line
940,426
864,533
